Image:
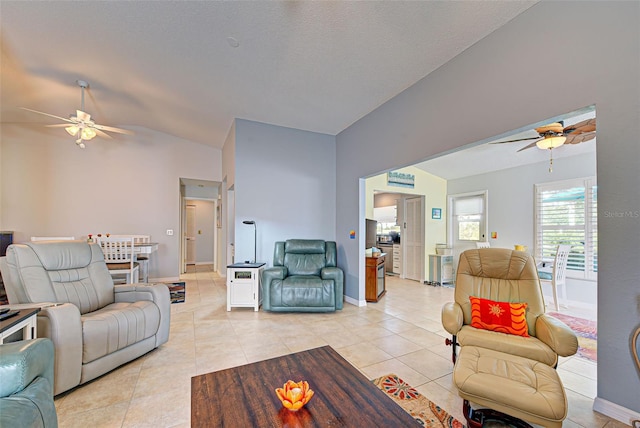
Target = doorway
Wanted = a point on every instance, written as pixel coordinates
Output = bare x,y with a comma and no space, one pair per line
198,232
401,231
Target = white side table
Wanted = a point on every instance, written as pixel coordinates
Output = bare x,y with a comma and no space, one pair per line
243,285
25,320
441,270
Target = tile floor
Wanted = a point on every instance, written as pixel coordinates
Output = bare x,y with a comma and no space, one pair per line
401,334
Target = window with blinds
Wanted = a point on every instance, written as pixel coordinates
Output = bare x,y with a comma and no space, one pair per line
469,217
566,213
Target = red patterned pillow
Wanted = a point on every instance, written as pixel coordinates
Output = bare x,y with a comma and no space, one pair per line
503,317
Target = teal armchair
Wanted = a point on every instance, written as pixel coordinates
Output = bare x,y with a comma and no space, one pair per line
304,278
26,384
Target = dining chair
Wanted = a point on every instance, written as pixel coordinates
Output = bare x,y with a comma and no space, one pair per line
557,276
120,258
480,244
52,238
142,259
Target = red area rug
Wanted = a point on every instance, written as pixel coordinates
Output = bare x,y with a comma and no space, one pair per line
423,410
587,332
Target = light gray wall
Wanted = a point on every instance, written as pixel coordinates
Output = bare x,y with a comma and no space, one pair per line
511,207
532,69
285,180
511,195
50,187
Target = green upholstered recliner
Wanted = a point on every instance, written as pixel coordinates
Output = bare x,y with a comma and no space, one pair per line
304,278
26,384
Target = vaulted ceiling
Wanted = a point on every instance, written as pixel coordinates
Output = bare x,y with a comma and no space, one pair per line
189,68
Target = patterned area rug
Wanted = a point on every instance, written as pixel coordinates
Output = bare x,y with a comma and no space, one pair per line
587,332
178,291
426,412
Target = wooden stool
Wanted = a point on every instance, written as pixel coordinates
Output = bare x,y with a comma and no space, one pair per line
517,386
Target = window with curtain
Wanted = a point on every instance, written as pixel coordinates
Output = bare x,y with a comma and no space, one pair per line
566,213
469,217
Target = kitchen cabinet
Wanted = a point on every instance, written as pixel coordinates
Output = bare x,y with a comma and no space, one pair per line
374,278
397,259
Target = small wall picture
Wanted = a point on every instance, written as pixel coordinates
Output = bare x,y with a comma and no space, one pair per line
436,213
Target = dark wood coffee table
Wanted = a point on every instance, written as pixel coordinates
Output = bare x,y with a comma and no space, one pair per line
245,396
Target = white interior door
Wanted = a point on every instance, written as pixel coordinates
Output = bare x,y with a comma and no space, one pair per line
413,237
190,236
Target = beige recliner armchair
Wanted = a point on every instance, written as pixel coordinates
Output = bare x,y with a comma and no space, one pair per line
94,325
504,275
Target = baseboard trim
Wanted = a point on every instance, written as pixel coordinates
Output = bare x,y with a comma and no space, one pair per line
615,411
171,279
355,302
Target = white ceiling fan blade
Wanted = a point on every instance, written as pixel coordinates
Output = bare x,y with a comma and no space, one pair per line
102,134
112,129
47,114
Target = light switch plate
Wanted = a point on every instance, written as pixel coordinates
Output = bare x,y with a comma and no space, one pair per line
169,232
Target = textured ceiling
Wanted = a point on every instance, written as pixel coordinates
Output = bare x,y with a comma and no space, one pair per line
171,67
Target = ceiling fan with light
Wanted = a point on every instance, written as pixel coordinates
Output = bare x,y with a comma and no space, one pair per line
556,134
81,126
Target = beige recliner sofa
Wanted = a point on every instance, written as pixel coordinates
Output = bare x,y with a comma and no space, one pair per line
94,325
504,275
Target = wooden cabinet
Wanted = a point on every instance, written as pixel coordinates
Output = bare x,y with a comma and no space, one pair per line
374,278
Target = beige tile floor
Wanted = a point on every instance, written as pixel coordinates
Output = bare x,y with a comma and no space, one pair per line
401,334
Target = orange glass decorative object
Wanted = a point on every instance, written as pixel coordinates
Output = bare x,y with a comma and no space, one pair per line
294,395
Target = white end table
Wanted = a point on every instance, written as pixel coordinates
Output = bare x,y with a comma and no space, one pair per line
25,320
243,285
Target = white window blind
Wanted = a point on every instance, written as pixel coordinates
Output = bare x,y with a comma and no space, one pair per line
566,213
469,218
468,206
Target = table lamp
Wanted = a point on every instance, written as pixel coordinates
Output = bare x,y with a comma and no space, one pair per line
255,238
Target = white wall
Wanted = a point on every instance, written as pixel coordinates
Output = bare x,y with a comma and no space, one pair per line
534,68
285,180
125,185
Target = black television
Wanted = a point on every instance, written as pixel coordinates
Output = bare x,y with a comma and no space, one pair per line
372,228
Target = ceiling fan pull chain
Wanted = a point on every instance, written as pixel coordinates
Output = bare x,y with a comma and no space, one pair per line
550,160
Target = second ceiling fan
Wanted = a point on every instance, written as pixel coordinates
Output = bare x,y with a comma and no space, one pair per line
573,134
556,134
